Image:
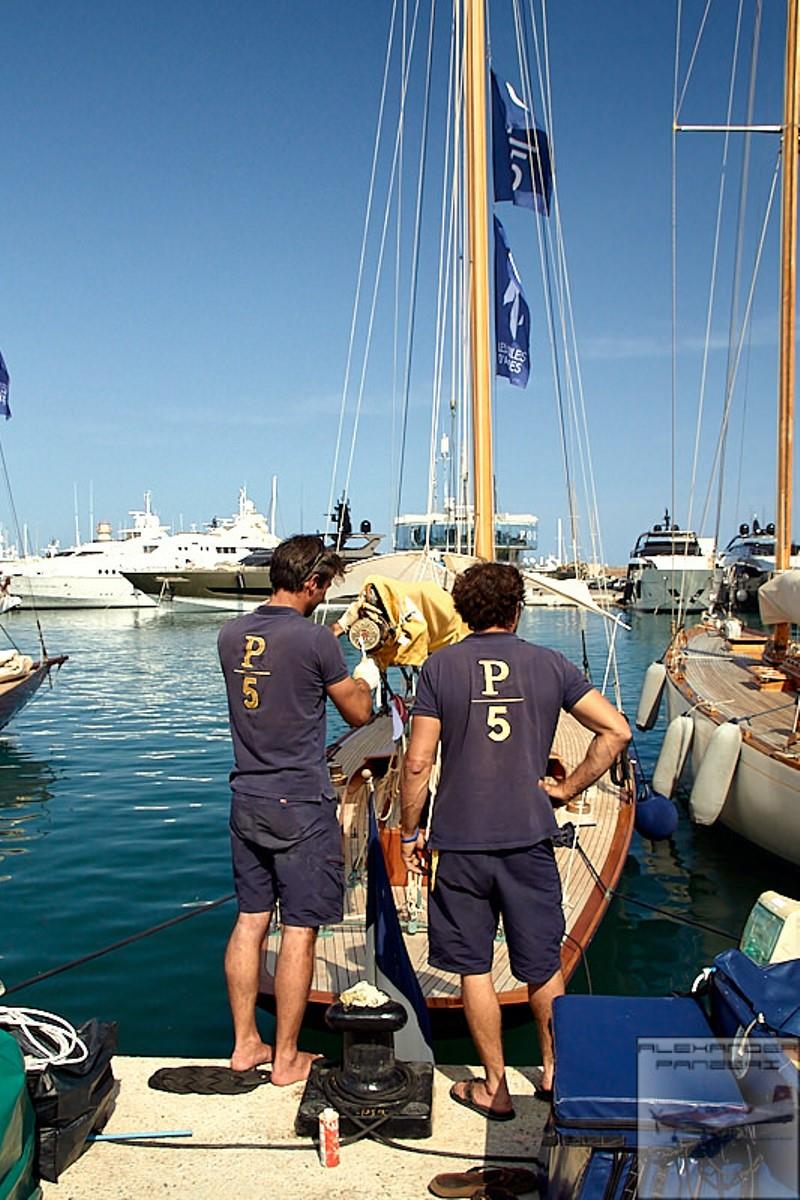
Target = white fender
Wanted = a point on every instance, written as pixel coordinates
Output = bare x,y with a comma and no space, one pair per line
713,779
674,749
650,699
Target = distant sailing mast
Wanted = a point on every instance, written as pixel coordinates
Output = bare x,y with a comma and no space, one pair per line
478,225
790,142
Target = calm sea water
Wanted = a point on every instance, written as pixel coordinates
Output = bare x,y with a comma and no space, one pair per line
113,817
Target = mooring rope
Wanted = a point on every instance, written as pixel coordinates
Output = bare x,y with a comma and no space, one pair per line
127,941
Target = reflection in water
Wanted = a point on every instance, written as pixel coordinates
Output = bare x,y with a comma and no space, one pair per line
124,764
25,792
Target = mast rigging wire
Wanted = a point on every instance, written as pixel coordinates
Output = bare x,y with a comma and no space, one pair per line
743,193
18,531
378,271
361,262
712,293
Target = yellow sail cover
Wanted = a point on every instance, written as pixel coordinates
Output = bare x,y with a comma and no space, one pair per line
424,619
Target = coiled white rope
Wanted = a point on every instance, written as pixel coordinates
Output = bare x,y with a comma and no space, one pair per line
47,1039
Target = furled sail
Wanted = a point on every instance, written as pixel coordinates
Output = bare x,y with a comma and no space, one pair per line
779,599
421,619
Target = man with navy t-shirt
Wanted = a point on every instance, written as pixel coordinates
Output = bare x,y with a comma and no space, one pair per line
493,701
286,841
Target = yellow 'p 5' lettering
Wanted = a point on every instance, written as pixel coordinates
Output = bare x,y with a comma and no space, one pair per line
499,727
494,671
254,647
250,691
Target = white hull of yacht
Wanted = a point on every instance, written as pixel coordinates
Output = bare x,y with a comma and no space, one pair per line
763,803
659,589
78,591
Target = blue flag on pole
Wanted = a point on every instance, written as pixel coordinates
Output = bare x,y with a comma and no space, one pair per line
512,317
5,409
521,152
388,965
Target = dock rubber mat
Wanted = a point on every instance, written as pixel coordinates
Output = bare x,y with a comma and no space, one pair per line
207,1080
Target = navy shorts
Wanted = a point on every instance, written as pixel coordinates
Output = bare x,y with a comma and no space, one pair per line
290,852
470,892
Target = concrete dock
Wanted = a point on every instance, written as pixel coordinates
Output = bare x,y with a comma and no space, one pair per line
236,1148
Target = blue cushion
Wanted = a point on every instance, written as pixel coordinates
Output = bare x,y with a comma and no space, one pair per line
596,1061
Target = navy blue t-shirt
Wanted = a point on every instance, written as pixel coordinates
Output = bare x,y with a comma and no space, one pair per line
277,666
498,699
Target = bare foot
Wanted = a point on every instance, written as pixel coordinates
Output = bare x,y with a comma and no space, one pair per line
293,1070
250,1054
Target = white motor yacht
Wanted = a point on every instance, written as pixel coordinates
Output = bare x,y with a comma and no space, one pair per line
670,568
747,561
90,574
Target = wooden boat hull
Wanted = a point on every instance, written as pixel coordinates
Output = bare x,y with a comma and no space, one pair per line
15,693
605,835
763,802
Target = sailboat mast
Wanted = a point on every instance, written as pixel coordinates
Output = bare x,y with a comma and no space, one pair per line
478,226
791,129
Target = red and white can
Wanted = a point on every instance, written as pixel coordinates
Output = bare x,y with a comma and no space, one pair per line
329,1137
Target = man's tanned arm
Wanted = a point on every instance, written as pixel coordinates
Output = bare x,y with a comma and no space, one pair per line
611,735
417,765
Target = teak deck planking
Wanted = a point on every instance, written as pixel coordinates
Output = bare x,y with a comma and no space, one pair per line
604,835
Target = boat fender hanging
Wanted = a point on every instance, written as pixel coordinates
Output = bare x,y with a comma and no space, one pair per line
713,780
674,749
650,699
656,816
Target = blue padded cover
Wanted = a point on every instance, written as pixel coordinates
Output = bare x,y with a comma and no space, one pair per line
596,1061
772,990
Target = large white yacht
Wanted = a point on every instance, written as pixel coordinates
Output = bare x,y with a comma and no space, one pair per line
670,568
747,561
90,574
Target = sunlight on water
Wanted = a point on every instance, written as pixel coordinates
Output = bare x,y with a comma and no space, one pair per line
138,716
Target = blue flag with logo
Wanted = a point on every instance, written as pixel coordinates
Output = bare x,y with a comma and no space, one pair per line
5,409
512,317
521,152
388,965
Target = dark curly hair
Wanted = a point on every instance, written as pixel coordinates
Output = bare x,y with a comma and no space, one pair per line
300,557
488,594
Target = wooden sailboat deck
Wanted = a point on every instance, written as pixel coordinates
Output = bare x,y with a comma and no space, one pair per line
705,666
603,832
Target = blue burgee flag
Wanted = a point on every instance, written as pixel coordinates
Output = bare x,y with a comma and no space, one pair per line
388,965
512,317
5,409
522,171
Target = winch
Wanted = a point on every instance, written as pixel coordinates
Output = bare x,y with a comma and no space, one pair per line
372,627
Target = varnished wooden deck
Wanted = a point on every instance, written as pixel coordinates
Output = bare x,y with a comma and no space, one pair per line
604,833
719,679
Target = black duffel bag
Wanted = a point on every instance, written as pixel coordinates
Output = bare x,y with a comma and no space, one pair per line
72,1101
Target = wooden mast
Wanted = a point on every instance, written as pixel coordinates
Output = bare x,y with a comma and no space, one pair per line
788,301
478,226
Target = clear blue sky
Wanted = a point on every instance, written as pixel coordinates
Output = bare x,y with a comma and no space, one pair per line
183,187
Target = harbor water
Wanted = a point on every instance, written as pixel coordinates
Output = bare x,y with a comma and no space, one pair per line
113,818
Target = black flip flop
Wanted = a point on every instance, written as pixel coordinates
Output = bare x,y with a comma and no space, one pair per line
467,1102
207,1080
546,1094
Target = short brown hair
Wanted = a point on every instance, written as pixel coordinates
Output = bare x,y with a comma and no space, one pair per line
298,558
489,594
